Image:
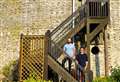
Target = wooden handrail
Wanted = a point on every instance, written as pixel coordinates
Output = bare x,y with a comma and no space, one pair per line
57,46
73,31
62,30
68,19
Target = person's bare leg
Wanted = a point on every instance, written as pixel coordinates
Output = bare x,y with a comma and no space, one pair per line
80,77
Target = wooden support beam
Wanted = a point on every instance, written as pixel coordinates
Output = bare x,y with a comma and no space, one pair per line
106,53
95,20
21,57
88,32
98,29
88,45
101,37
47,49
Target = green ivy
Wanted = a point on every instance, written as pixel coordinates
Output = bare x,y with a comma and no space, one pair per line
115,74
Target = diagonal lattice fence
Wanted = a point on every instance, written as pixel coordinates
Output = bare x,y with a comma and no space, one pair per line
32,57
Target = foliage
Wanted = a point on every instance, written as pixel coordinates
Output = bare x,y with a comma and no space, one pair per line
103,79
10,71
6,69
32,79
115,74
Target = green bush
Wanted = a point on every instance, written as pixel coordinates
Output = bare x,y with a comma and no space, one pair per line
103,79
32,78
115,74
7,69
10,71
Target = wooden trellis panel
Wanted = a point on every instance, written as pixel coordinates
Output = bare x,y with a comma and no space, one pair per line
32,57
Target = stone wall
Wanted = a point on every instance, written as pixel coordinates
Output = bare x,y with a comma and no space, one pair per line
112,41
37,16
27,17
113,33
98,62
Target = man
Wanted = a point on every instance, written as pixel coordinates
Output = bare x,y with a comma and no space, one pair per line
82,61
69,50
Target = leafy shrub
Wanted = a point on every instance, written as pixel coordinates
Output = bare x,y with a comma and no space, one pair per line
103,79
7,68
115,74
10,71
32,79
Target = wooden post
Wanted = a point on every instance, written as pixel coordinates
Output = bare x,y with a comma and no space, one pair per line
88,32
48,36
88,45
87,78
20,60
88,11
47,49
106,56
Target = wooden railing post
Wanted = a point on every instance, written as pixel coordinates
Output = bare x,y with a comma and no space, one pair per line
48,37
47,50
87,9
20,58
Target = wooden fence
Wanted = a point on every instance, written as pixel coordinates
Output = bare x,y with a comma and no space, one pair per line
33,57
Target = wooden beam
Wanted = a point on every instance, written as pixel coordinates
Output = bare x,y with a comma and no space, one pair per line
88,44
106,53
100,40
47,45
60,70
95,20
20,61
98,29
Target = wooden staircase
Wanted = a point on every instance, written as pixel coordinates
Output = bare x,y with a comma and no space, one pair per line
58,37
65,29
37,52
